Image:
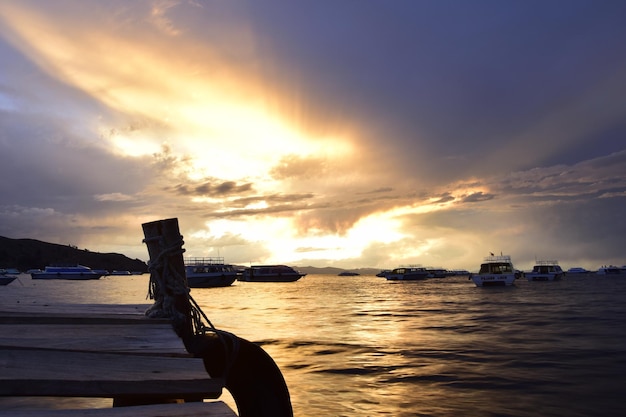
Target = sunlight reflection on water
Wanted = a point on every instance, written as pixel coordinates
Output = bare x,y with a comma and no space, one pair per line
351,346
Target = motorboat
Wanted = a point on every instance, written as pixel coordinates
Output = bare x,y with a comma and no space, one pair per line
74,272
7,279
545,271
270,273
407,273
577,270
209,272
611,270
496,270
383,273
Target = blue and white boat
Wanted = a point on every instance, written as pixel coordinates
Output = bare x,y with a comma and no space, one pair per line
545,271
270,273
209,272
74,272
407,273
611,270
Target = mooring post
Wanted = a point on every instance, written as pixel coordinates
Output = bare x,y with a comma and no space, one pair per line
168,282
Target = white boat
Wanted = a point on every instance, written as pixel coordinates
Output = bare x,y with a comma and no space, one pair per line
577,270
545,271
77,272
495,271
270,273
209,272
611,270
407,273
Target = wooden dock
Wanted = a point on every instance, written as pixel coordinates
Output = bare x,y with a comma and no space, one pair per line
137,355
103,351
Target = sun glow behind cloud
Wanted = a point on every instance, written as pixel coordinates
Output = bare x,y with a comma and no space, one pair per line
216,114
266,142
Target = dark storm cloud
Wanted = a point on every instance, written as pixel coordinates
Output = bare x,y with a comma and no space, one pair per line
460,78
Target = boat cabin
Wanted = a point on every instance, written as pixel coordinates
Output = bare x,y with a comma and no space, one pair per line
496,268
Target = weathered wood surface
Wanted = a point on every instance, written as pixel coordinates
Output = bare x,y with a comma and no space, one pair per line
41,372
89,327
198,409
134,311
73,352
156,339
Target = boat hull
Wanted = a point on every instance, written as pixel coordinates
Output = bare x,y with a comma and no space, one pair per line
543,277
407,277
70,276
270,273
78,272
271,278
493,280
211,281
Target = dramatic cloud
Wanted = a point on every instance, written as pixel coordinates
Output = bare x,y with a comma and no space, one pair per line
325,133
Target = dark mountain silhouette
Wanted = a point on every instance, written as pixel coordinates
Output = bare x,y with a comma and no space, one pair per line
25,254
329,270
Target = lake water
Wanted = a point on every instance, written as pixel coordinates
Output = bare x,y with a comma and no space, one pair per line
365,346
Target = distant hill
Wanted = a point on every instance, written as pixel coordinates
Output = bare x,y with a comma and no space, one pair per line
312,270
25,254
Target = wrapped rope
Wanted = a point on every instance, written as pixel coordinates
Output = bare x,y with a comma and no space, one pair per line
168,283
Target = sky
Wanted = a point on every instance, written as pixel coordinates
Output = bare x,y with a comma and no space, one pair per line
319,132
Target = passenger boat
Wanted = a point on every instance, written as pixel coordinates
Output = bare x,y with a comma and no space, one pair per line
407,273
270,273
209,272
495,271
77,272
545,271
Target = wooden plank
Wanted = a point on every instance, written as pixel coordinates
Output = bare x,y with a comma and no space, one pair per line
40,372
198,409
157,338
77,313
76,308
